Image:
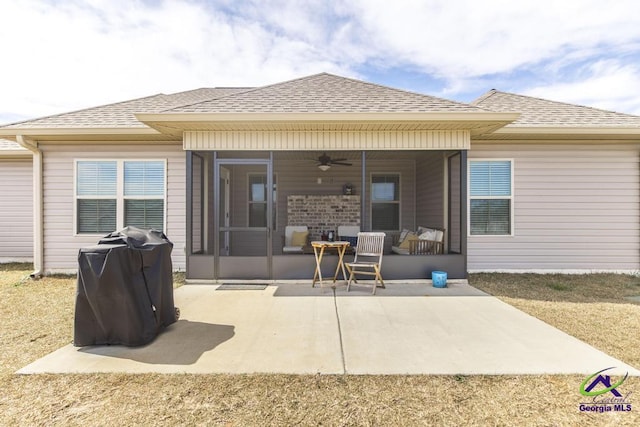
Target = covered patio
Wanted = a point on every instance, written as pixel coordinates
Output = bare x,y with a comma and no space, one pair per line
249,154
236,227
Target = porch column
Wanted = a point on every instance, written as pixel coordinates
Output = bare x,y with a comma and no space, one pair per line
463,207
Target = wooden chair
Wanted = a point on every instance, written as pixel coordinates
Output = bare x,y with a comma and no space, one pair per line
368,258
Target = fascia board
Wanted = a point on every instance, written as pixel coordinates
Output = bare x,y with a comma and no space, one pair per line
328,117
568,131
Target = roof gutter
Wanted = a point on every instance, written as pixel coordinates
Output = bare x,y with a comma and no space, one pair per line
38,219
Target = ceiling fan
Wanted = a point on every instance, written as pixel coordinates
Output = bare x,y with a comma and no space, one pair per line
325,162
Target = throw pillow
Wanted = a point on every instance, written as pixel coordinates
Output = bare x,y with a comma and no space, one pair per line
299,238
403,235
410,236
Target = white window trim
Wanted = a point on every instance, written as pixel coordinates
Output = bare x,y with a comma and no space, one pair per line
399,202
120,197
511,198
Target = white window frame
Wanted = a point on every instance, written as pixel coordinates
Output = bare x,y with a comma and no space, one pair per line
399,202
120,197
511,198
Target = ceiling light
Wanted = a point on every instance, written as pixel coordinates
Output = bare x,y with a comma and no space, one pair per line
324,168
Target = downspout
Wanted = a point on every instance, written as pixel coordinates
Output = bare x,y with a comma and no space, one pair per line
38,228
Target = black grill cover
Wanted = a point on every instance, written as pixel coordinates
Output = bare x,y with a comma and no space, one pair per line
125,289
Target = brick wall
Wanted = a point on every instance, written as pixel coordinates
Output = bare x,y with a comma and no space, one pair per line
323,212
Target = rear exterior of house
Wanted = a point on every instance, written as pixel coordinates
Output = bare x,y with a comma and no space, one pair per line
576,188
16,208
517,183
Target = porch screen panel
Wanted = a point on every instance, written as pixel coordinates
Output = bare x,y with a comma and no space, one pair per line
490,196
385,202
455,204
197,204
258,200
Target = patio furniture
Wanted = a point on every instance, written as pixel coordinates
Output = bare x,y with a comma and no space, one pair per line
319,248
425,241
349,233
295,238
368,258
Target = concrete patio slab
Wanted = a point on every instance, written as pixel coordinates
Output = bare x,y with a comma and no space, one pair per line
407,328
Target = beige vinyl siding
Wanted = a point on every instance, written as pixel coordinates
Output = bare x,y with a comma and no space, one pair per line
60,244
577,207
16,210
430,190
326,140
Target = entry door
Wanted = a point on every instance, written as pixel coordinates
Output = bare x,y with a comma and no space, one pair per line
243,207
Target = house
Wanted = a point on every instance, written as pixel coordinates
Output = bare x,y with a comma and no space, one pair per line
16,208
516,183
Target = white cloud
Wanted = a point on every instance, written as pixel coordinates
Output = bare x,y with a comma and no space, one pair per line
606,84
62,55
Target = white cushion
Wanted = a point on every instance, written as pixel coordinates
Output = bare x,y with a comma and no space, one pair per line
348,230
428,234
400,251
422,229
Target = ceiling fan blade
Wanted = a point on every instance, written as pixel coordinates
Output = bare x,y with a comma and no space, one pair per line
341,163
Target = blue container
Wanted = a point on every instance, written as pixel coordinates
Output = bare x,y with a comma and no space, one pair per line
439,279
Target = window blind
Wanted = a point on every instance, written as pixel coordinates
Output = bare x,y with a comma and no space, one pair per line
96,178
143,179
146,213
96,215
490,178
490,193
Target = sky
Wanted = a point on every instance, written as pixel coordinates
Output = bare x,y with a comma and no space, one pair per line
64,55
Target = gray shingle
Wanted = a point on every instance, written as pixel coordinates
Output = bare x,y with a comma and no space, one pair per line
325,93
121,114
537,112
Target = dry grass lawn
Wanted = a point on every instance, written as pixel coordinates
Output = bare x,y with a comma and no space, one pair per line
37,318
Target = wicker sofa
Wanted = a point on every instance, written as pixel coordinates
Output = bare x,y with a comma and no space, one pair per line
423,241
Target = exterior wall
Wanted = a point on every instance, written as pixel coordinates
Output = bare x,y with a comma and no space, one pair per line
430,190
576,208
320,213
60,244
16,210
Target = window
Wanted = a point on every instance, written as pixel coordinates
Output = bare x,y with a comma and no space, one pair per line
113,194
490,197
258,200
385,202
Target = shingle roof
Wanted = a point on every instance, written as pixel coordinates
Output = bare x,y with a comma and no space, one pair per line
325,93
536,112
121,114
